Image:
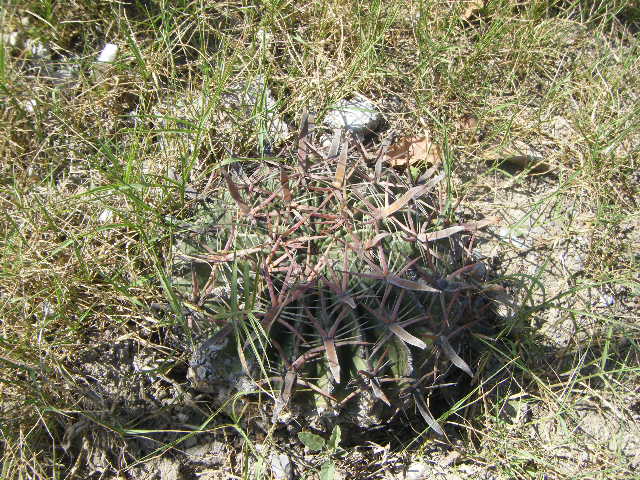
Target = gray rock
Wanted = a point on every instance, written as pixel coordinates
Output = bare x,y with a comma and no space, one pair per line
358,115
418,471
168,469
281,466
12,39
108,53
215,368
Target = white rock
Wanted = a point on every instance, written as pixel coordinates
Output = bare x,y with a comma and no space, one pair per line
358,115
514,236
37,48
108,53
106,216
47,310
264,39
607,300
281,466
168,469
418,471
30,105
12,39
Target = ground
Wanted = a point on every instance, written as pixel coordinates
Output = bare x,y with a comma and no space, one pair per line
533,106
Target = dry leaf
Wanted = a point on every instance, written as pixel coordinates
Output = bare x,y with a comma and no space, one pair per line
378,392
447,232
471,8
520,156
529,162
411,194
332,358
410,150
406,336
306,125
468,123
426,414
229,256
289,384
341,167
235,194
287,196
410,285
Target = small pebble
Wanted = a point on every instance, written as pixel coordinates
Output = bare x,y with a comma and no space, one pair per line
358,115
281,466
37,49
106,216
47,310
607,300
30,105
418,471
108,53
11,39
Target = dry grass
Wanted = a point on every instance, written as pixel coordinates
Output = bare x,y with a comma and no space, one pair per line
557,76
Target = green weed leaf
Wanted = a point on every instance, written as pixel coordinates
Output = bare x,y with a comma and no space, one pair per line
328,470
312,441
336,437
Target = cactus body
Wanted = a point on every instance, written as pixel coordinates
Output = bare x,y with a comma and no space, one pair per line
326,292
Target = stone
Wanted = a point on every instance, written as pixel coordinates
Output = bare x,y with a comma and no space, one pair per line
11,39
358,115
106,216
418,471
37,49
108,53
281,467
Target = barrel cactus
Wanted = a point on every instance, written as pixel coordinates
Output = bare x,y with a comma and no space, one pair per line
331,290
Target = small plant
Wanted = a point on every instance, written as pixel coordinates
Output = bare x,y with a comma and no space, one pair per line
331,288
329,448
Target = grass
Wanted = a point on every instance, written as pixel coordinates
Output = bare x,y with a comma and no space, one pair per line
560,75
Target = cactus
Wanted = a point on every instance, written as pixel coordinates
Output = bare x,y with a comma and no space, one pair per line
329,290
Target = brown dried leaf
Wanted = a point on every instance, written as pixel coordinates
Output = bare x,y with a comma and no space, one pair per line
332,358
472,7
529,162
288,386
410,150
411,194
520,156
426,414
334,148
410,284
378,392
229,256
306,125
341,167
235,194
447,232
287,196
286,392
499,294
468,122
